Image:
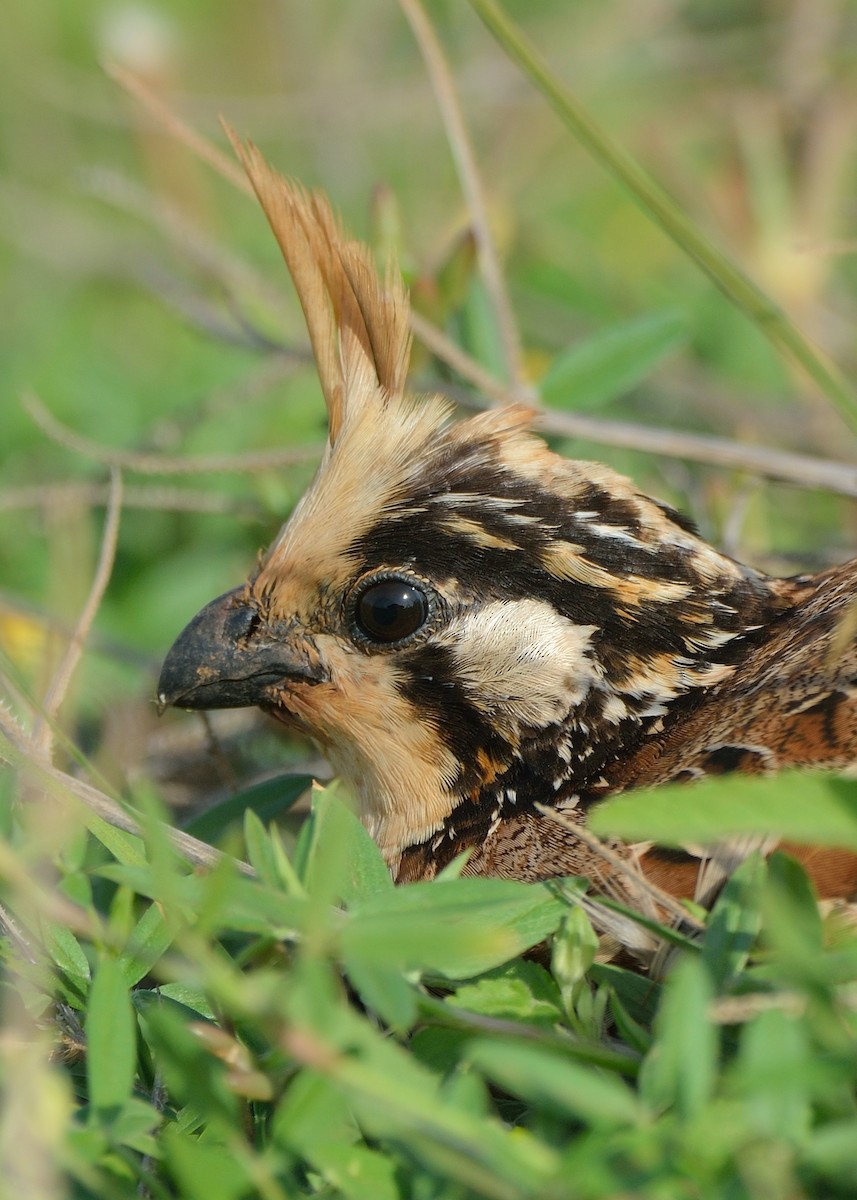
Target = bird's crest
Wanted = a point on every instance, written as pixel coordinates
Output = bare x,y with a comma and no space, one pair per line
358,322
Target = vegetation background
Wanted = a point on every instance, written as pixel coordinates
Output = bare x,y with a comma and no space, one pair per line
209,1044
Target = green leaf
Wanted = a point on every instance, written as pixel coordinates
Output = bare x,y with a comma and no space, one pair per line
243,904
774,1070
357,1172
111,1037
631,1031
830,1152
792,921
66,952
342,863
204,1168
77,885
457,928
184,1002
268,800
479,332
519,991
639,995
312,1112
395,1098
573,950
133,1126
149,941
467,1091
125,847
260,852
680,1069
455,867
384,991
315,1122
804,807
366,874
190,998
734,923
542,1077
438,1048
591,373
192,1073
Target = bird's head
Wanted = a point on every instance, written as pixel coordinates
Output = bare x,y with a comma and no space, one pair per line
463,620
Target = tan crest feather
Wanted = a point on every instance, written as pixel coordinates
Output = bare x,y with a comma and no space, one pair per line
359,324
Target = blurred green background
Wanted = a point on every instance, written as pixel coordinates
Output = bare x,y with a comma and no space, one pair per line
145,304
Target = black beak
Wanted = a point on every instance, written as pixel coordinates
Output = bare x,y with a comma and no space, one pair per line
227,658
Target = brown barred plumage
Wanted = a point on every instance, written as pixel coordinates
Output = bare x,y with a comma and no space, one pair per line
472,627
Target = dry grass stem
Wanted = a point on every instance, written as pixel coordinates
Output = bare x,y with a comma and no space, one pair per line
21,751
800,470
183,133
643,891
166,499
468,368
42,732
158,464
173,225
735,1010
471,185
11,930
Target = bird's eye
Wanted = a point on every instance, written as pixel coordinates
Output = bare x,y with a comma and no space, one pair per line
391,610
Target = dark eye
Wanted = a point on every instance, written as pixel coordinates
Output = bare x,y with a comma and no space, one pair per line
391,610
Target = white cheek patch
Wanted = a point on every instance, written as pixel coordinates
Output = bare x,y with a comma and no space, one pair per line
521,663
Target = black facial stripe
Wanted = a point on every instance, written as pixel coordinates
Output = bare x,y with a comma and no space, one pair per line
546,520
433,689
423,545
428,543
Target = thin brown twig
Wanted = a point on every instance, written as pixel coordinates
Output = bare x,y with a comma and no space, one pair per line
471,185
628,869
468,368
232,271
801,470
21,751
167,499
47,901
201,146
42,730
13,933
157,464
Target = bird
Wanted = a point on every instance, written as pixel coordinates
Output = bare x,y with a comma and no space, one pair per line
486,639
